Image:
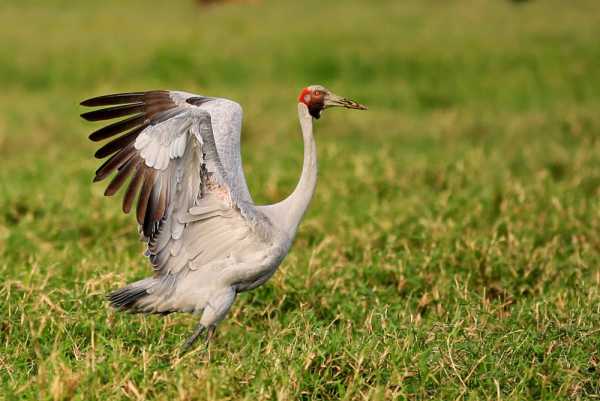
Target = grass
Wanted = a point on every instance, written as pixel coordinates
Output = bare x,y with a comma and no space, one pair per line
451,252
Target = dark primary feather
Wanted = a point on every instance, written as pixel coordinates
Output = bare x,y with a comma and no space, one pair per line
142,204
114,162
117,98
119,143
140,110
123,173
118,127
114,112
133,187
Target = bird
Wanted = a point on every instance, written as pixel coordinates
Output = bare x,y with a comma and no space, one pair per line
206,239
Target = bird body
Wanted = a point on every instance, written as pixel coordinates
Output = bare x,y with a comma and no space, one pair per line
206,239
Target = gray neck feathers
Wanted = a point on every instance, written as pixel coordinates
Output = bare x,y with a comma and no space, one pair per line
288,213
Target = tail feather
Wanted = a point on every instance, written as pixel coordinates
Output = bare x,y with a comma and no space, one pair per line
127,298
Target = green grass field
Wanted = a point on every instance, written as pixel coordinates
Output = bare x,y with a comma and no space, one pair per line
452,249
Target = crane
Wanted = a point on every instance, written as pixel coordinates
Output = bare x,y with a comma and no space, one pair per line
206,239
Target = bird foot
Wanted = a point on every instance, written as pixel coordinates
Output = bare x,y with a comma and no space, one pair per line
192,339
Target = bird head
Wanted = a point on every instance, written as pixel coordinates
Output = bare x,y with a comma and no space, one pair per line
317,98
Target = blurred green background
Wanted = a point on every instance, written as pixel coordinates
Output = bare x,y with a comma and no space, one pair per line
451,250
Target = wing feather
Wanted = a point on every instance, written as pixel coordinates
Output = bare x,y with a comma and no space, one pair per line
115,162
117,144
122,174
192,199
142,205
133,188
118,127
144,112
114,112
117,98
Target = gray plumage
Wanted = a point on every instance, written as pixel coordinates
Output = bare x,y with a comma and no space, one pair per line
206,239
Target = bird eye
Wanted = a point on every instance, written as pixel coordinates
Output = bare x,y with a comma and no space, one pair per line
317,93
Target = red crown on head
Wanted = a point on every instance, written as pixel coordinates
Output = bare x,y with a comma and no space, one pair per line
304,96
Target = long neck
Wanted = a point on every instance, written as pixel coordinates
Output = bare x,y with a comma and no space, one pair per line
290,211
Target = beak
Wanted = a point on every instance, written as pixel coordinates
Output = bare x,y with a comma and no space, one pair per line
337,101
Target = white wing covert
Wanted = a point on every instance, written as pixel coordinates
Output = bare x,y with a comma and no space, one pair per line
190,209
226,117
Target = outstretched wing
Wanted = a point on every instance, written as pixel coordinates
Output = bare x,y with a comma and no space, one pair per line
169,150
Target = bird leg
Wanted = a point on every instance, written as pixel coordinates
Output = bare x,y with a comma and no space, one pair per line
209,334
213,312
190,341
